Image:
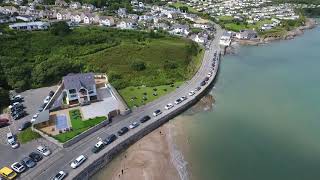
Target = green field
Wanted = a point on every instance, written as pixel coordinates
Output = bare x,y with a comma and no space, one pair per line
27,135
37,59
179,4
78,125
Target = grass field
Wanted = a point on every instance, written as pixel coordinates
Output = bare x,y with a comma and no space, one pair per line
179,4
27,135
78,125
241,26
137,96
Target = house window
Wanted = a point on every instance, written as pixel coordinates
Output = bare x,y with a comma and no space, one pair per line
73,96
91,91
72,91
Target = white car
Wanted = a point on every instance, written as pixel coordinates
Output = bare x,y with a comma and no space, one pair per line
157,113
77,162
191,93
43,150
209,74
61,175
46,100
12,141
18,167
183,98
34,117
134,125
168,106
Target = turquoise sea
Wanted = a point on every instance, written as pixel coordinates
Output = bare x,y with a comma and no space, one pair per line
265,124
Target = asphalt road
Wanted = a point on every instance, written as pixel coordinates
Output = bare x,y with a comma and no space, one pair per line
61,160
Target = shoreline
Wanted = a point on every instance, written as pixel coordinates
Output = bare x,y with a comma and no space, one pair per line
310,24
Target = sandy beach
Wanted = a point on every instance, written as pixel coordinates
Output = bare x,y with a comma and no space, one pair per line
156,156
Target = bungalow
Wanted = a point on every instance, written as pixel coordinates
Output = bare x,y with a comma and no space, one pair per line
38,25
106,21
79,88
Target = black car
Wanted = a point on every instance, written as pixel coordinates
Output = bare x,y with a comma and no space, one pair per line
98,147
213,64
19,115
25,126
203,83
16,108
36,157
110,139
27,161
145,119
206,79
198,88
51,93
122,131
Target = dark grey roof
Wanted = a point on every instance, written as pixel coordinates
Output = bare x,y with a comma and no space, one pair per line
42,117
76,81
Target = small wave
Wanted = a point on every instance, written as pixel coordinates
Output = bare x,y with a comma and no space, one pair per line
177,158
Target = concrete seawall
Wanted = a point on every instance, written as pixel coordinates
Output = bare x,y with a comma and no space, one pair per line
98,161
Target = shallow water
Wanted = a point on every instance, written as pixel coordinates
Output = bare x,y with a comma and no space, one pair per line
265,124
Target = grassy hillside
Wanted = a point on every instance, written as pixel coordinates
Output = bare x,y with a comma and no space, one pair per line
131,58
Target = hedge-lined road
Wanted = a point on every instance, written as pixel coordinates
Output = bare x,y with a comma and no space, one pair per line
61,159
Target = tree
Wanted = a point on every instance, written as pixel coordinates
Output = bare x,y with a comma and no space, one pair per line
138,65
4,98
60,28
184,9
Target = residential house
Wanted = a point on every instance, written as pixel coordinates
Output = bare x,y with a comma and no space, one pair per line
26,18
60,3
79,88
38,25
88,7
246,34
126,24
106,21
133,16
122,12
75,17
6,19
179,29
75,5
90,18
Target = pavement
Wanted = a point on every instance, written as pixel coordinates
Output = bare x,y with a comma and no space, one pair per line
61,159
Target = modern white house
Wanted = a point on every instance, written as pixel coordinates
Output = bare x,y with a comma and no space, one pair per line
79,88
106,21
38,25
126,24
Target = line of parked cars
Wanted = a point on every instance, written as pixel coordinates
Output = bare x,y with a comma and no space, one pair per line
16,107
27,162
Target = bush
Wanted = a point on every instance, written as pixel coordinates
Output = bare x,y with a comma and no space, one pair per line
60,28
138,66
170,65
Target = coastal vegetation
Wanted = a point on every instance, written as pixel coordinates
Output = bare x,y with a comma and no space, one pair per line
130,58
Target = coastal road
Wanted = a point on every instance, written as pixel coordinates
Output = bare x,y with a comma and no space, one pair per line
60,160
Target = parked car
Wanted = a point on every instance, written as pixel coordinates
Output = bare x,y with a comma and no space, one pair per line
209,75
12,141
98,147
34,117
43,150
77,162
145,119
25,125
206,79
157,112
46,100
110,139
168,106
122,131
183,98
178,101
51,93
7,173
4,122
18,167
191,93
61,175
134,125
36,157
27,161
198,88
203,83
42,107
19,115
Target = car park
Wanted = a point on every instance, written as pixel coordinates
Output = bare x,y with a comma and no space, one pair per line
145,119
8,173
157,112
110,139
25,125
61,175
43,150
191,93
18,167
78,161
98,147
36,157
27,161
168,106
122,131
134,125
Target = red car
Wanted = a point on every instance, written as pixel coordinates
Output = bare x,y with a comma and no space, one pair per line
4,122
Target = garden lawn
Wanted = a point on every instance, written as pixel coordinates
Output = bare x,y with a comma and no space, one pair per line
134,95
27,135
78,125
179,4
